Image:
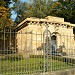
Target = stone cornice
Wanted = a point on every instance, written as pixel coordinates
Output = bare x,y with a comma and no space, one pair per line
50,20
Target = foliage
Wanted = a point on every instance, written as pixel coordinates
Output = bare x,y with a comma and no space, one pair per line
5,14
65,9
39,8
20,9
35,8
11,57
64,59
29,65
5,22
43,8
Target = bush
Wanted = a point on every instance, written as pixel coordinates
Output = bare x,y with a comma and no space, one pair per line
7,52
64,59
2,57
12,57
36,56
59,58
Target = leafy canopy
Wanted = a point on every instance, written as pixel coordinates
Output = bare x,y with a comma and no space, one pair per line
34,8
43,8
65,9
5,14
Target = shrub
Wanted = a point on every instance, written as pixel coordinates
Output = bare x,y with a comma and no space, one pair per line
12,57
64,59
36,56
59,58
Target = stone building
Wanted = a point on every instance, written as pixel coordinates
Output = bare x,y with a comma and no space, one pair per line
31,36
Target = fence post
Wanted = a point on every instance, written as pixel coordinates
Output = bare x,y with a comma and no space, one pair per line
47,49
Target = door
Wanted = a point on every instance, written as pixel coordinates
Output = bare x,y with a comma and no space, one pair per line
53,43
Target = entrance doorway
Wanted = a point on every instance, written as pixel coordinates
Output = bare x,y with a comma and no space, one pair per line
54,43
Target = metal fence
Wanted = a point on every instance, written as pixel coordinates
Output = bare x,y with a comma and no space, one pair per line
23,53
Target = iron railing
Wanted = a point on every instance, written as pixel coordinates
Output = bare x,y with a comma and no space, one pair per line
23,53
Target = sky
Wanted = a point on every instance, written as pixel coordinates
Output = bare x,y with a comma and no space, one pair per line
25,0
13,16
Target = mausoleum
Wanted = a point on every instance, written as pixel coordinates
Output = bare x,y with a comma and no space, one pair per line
31,35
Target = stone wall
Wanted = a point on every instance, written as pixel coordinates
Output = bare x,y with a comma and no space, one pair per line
30,38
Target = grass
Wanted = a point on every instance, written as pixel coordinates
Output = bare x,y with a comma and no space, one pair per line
19,66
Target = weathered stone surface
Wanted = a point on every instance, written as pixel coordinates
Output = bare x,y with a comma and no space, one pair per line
30,38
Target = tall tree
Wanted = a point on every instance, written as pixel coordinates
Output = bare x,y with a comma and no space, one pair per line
20,9
65,9
5,23
34,8
5,14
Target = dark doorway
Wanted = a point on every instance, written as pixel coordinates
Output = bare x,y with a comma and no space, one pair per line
54,43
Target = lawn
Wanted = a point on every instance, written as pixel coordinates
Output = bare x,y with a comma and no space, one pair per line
21,66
